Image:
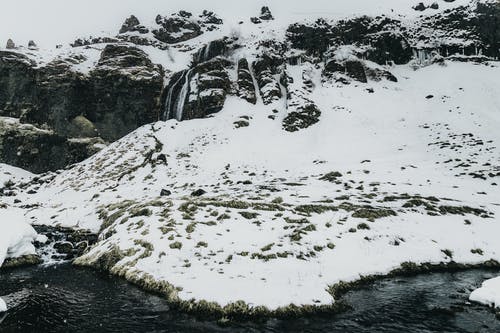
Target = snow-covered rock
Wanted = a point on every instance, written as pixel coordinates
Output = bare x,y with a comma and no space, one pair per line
488,294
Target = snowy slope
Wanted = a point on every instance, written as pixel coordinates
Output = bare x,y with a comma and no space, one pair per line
383,144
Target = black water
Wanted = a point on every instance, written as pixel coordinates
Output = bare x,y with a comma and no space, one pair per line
67,299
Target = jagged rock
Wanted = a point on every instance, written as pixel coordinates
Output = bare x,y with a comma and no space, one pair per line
389,47
420,7
125,90
355,70
208,17
209,86
198,193
315,38
265,14
38,151
197,92
246,87
211,50
10,44
32,45
304,117
132,24
176,29
255,20
266,69
165,193
17,84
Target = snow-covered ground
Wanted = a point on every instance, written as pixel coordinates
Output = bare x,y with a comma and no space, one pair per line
17,235
488,294
271,229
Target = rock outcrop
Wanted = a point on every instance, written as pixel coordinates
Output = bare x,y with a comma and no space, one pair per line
40,150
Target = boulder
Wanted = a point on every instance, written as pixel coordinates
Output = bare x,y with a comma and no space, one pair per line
177,28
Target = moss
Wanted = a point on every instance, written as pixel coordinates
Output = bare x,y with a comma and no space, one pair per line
202,244
331,246
140,211
267,247
176,245
190,228
463,210
249,215
371,214
26,260
363,226
316,209
331,176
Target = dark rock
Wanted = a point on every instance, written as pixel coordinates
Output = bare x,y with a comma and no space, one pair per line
125,88
434,5
165,193
132,24
208,17
17,84
176,29
10,44
265,70
209,51
255,20
198,193
389,46
246,87
420,7
315,39
39,151
63,247
32,45
197,92
304,117
355,70
265,14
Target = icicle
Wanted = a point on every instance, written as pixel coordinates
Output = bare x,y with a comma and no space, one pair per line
182,96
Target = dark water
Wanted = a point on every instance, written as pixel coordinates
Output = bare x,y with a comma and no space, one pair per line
67,299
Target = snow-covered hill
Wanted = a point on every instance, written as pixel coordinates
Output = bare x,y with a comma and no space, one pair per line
321,166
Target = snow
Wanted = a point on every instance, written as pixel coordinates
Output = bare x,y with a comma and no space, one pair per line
247,238
3,305
384,143
17,234
488,294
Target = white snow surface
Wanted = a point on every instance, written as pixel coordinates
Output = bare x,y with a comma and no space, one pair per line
3,305
17,235
488,294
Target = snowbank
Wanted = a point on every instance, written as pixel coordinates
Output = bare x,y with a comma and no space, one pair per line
17,236
3,306
488,294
